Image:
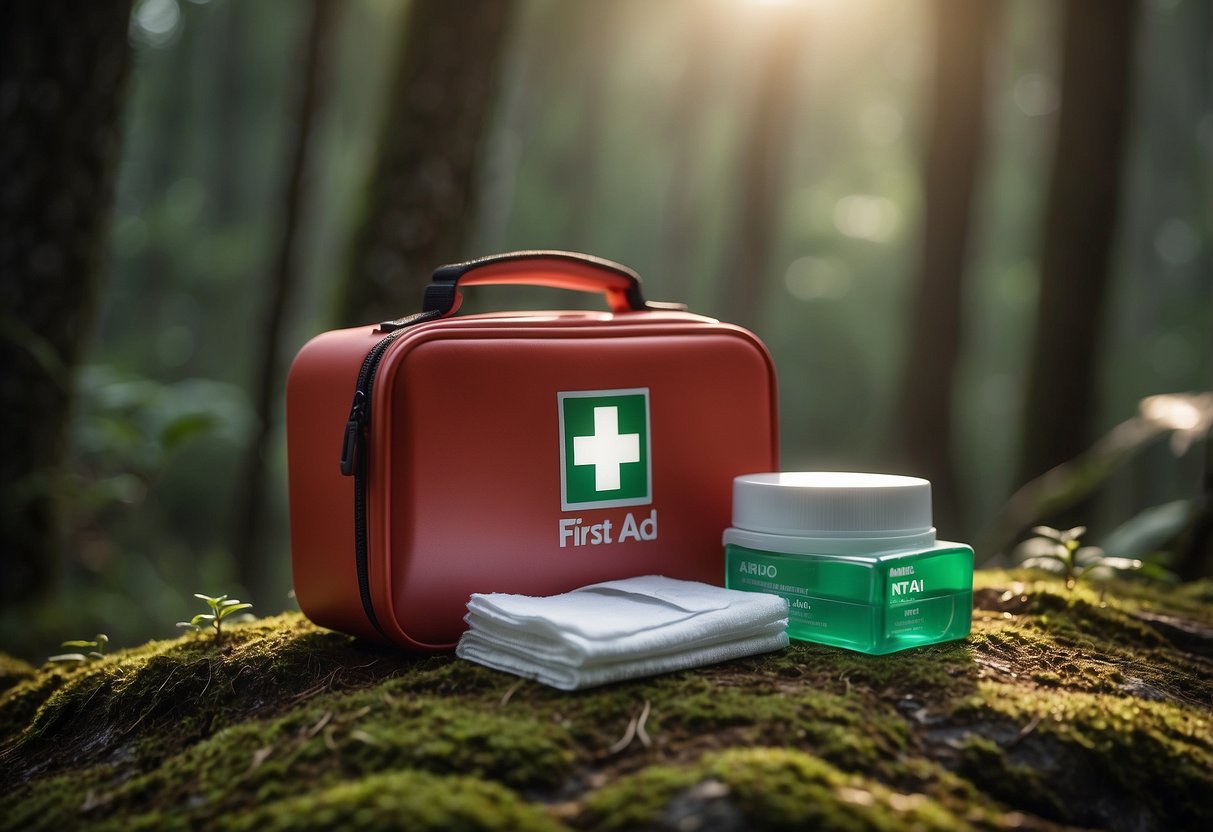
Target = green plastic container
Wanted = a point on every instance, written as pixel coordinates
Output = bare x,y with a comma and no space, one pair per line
855,556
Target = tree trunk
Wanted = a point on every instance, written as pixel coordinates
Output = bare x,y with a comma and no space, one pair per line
250,557
599,32
63,68
422,187
745,285
924,435
166,163
681,218
230,148
1196,558
1080,218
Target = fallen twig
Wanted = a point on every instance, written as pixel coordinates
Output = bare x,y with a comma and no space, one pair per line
320,723
635,730
505,700
626,739
1027,729
640,732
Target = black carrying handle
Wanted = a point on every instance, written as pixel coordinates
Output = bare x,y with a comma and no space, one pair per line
556,269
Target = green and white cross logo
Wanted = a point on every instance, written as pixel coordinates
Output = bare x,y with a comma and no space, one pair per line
604,448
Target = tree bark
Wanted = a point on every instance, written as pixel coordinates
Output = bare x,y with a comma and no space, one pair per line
230,147
599,35
250,557
745,285
924,434
1080,218
63,68
422,187
681,218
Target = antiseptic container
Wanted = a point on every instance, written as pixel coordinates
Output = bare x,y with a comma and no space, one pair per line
855,556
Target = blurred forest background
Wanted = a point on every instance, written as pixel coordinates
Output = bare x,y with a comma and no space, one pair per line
976,236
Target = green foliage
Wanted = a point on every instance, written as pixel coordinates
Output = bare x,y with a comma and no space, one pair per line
1062,552
96,649
221,607
133,425
1153,533
1184,419
140,517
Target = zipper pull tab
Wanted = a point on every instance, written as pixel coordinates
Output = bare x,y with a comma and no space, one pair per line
353,434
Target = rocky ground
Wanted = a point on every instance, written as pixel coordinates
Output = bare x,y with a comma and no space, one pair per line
1064,708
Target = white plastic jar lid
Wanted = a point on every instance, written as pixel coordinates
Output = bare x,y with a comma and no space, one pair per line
833,505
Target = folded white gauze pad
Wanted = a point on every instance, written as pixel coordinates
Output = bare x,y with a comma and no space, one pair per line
620,630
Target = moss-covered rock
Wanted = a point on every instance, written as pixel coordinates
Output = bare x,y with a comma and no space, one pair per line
13,671
1065,707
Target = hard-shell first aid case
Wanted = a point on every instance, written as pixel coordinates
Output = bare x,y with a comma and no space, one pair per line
436,455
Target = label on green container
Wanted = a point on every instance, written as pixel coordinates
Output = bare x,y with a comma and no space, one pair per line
875,605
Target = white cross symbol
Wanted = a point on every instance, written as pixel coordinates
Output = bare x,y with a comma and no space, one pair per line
606,450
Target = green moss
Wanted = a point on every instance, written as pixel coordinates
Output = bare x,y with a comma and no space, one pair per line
1081,641
52,802
771,788
336,737
21,701
520,748
12,671
405,800
1094,754
1064,705
1081,618
845,728
638,800
984,761
180,691
1194,599
777,788
934,671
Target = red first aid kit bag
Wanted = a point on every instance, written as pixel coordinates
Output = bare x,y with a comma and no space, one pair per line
524,452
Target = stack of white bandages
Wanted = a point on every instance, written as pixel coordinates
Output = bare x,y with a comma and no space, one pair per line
620,630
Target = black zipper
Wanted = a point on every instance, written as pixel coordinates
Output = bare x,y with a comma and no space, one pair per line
354,453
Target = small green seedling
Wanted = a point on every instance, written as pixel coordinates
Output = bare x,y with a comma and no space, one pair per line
1062,552
221,608
96,650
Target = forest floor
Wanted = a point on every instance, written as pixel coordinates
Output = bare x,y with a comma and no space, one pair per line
1064,708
